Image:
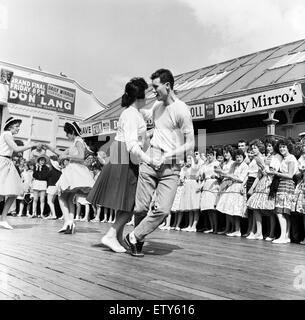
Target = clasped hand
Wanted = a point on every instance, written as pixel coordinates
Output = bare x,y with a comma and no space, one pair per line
156,164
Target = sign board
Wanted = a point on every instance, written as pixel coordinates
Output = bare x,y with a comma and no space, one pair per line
43,95
86,130
268,100
102,127
5,79
197,111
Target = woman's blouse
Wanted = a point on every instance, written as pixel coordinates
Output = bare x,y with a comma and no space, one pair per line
131,128
5,150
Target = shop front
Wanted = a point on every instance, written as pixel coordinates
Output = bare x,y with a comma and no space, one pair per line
44,102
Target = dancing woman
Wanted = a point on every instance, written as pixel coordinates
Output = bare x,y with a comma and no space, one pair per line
115,187
75,178
10,181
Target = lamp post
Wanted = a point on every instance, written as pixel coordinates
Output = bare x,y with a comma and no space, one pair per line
271,122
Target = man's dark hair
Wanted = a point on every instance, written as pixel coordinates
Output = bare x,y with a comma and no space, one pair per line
165,76
243,141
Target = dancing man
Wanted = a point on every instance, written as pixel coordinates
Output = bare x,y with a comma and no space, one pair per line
173,139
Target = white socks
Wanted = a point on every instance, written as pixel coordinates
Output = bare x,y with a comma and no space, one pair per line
132,238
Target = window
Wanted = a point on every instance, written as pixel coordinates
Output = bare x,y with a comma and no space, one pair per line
289,60
204,81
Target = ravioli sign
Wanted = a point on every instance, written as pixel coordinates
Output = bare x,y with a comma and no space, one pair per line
37,94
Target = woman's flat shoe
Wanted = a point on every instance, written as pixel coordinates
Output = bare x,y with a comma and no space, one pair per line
63,229
269,239
116,247
5,225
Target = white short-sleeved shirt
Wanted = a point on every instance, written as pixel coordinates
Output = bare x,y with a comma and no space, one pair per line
209,169
253,169
171,123
273,161
241,170
226,167
286,160
131,128
5,150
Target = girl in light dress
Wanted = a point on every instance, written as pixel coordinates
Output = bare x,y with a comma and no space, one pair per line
285,192
262,193
75,178
222,170
11,183
52,178
209,189
256,150
39,186
190,196
232,200
298,203
27,179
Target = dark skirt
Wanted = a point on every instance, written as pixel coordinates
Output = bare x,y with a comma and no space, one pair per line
249,184
115,187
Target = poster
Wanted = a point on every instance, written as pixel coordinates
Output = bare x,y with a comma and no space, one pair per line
37,94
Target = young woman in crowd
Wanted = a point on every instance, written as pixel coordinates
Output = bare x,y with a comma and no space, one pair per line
209,189
262,195
257,148
298,203
40,176
222,170
190,197
27,179
285,192
232,199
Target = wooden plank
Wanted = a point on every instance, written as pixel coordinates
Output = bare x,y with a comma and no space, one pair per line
177,265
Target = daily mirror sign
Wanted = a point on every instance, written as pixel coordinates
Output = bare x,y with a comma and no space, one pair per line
272,99
43,95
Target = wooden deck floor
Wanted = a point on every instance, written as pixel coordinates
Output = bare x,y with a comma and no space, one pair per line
38,263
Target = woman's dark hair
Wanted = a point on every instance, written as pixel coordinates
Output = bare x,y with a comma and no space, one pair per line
210,150
54,158
270,141
72,128
259,144
219,152
239,152
134,89
228,148
285,142
165,76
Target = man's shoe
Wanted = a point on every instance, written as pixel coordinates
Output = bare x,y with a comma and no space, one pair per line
139,246
134,248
